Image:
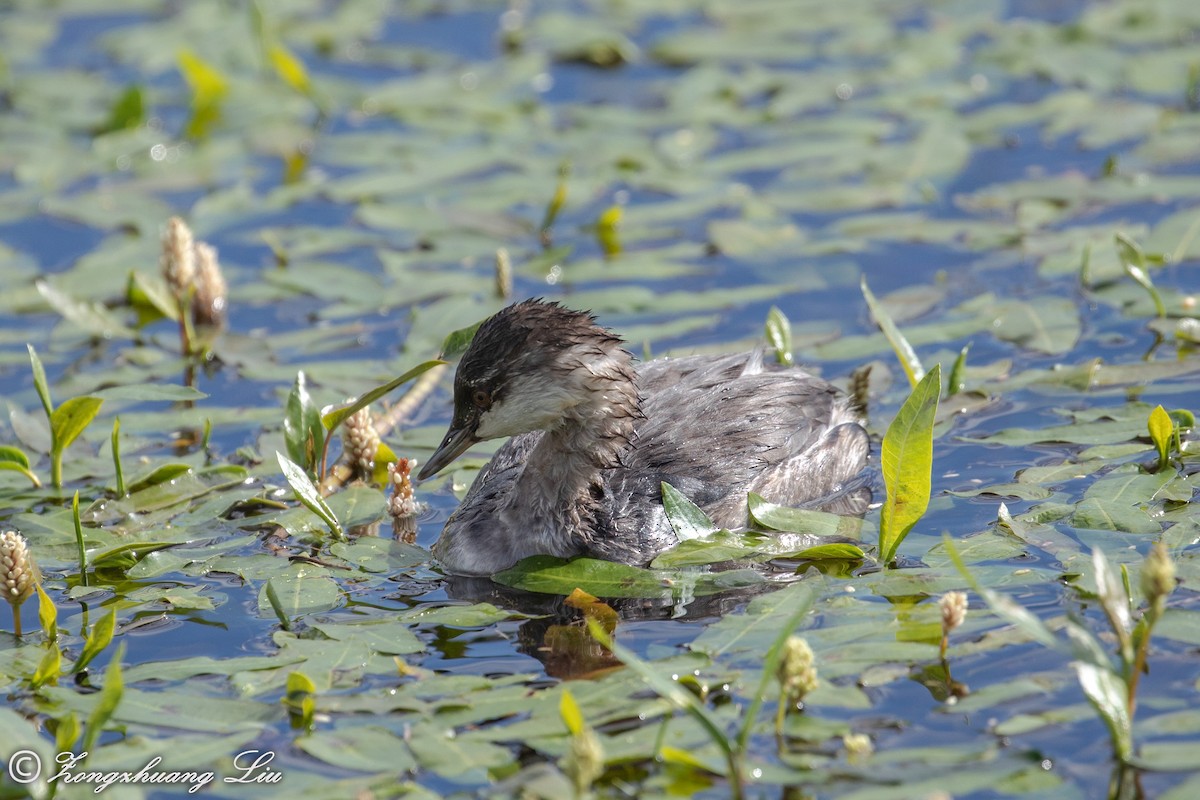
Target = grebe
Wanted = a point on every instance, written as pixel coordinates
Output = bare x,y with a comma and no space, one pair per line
594,436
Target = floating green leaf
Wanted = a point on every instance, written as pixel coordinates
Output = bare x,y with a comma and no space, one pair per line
687,518
907,463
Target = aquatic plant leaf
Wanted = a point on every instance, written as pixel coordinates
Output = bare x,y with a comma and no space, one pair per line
687,518
331,418
39,381
150,392
907,462
308,494
91,317
1162,429
107,701
302,429
123,556
370,748
47,614
779,336
1135,267
801,520
831,551
571,715
15,460
549,575
667,689
1003,606
301,590
127,111
1108,695
904,352
71,418
956,382
457,342
1102,513
48,670
290,68
98,639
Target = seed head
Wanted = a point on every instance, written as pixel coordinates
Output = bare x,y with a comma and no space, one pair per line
797,669
503,274
1158,573
179,257
954,610
403,502
362,441
212,293
18,574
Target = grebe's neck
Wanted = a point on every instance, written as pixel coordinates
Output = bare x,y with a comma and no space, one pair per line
560,486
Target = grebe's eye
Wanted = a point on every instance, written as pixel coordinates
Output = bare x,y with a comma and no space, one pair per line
482,399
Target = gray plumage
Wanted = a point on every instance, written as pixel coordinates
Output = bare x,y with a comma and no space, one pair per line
593,438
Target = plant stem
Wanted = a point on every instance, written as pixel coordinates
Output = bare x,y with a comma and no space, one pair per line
1139,661
83,578
17,620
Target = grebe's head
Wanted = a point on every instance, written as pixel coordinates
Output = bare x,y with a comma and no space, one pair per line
527,369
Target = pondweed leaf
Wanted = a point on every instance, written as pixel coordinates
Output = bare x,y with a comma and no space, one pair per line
606,231
110,697
550,575
907,464
100,637
673,692
1108,694
956,383
47,614
302,429
837,550
308,493
48,668
127,111
15,460
687,518
457,342
71,418
39,380
290,68
779,336
904,352
571,715
1134,260
335,416
1162,429
92,317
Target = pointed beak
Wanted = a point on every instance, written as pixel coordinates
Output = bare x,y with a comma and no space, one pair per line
458,439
